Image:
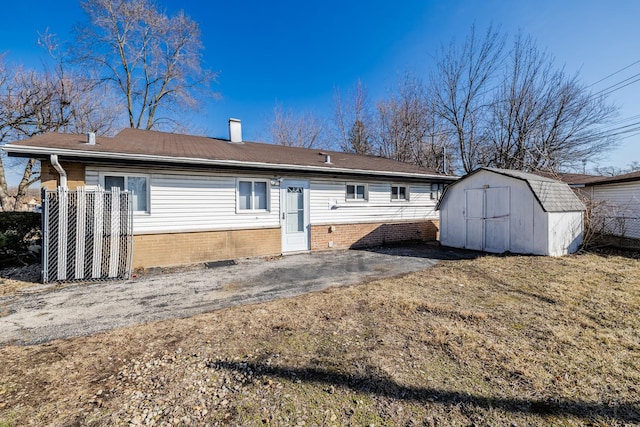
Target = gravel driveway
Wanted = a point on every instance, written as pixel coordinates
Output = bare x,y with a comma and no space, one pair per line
42,313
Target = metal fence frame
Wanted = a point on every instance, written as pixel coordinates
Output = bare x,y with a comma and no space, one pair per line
86,234
622,226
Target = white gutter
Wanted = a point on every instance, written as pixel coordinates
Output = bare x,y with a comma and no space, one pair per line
22,149
61,171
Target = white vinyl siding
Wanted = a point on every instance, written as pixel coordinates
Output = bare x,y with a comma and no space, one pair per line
183,201
196,201
621,206
328,205
624,197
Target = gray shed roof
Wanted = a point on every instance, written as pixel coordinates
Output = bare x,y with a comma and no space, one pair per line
553,195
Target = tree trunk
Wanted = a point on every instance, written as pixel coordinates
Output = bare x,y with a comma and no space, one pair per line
5,198
25,182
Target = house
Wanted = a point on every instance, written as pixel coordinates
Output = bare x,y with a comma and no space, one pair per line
198,199
617,200
498,210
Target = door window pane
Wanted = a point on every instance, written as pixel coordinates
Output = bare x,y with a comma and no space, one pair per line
295,209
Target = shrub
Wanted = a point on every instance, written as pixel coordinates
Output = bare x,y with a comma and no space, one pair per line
18,232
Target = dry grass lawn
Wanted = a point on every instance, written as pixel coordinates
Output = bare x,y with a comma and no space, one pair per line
491,341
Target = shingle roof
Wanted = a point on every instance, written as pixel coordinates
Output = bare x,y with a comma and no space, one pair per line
632,176
188,149
573,179
553,195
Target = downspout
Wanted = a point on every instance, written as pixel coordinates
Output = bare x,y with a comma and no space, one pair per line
56,165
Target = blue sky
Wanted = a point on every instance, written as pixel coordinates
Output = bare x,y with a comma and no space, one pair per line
296,52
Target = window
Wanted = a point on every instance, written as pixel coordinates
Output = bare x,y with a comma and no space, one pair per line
356,192
138,186
252,196
399,193
436,191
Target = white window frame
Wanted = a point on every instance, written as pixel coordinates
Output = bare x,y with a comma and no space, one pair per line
267,195
406,193
355,192
126,175
436,190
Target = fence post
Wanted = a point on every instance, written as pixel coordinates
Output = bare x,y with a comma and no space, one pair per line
81,236
114,230
44,255
98,218
62,233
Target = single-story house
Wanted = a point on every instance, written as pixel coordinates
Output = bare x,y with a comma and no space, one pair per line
498,210
617,201
198,199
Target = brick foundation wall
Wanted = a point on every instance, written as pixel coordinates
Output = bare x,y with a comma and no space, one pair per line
50,178
164,250
343,236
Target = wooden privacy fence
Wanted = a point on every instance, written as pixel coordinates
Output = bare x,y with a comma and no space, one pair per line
86,234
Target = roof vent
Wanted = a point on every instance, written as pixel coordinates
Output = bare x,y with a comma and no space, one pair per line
327,157
91,138
235,130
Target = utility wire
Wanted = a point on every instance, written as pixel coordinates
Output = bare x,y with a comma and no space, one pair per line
614,73
613,87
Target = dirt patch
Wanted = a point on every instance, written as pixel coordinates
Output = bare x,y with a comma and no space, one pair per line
14,279
491,341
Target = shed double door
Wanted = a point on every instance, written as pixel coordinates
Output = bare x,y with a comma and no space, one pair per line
487,219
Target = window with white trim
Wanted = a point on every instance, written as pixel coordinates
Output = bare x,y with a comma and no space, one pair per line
253,195
436,190
399,192
356,192
138,185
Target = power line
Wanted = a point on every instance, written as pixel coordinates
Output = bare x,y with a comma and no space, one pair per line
614,73
613,88
630,136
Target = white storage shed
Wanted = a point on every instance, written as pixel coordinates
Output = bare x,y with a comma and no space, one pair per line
499,210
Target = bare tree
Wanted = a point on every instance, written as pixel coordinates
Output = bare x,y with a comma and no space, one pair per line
152,60
296,130
353,125
407,130
402,120
38,102
461,91
541,119
520,113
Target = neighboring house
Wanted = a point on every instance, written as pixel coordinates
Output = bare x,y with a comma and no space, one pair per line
617,199
498,210
199,199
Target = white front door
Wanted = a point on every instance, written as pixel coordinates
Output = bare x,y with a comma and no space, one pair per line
294,214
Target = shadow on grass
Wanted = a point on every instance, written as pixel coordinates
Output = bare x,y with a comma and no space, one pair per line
626,412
